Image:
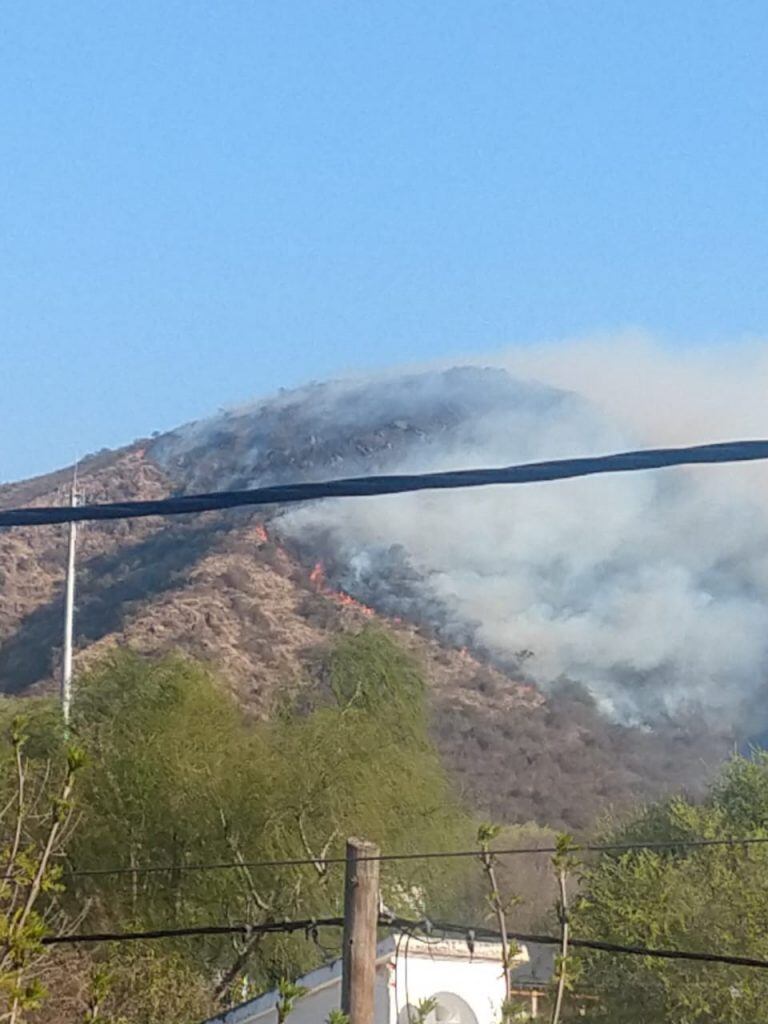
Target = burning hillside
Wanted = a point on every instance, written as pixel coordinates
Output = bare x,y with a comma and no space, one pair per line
650,590
318,580
458,579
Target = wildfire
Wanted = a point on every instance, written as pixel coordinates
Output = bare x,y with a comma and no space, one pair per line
350,602
317,576
261,533
318,581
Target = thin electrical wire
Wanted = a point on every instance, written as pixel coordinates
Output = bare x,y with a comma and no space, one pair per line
292,862
371,486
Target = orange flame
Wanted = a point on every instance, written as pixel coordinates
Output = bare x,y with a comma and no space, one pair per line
317,579
349,602
261,533
317,576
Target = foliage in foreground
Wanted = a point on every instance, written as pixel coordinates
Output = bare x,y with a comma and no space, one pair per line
35,816
176,775
712,899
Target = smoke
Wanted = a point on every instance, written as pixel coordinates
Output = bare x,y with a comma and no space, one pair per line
650,588
663,395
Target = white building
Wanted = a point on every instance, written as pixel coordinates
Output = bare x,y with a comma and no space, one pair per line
468,988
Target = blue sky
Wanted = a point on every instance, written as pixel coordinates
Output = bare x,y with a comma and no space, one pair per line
204,201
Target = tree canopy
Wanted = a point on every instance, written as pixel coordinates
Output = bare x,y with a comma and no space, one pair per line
176,774
711,899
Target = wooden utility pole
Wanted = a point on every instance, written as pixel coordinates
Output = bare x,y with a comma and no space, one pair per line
361,915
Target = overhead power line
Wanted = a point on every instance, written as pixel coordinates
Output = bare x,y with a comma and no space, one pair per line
292,862
271,928
370,486
469,933
310,926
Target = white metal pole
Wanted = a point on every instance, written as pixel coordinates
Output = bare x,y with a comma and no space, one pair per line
69,615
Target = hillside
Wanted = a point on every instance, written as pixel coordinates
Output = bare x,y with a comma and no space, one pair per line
218,589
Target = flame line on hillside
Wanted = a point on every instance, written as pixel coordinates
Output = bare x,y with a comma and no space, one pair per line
320,584
371,486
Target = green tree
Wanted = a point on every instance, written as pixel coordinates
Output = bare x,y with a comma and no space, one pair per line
369,672
36,809
130,983
707,898
177,774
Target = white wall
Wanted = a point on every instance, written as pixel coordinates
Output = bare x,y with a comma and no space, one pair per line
408,970
479,983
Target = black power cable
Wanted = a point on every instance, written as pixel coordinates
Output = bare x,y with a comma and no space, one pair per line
309,926
370,486
272,928
592,944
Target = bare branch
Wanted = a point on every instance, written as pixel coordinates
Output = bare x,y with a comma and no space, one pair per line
485,834
562,862
319,862
53,832
20,785
230,976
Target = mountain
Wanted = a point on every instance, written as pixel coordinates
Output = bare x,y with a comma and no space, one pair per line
261,595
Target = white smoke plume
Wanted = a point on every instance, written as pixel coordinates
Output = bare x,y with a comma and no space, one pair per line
649,588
